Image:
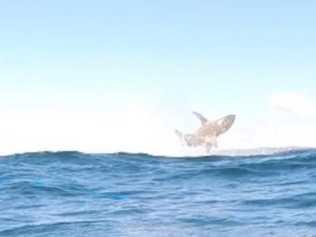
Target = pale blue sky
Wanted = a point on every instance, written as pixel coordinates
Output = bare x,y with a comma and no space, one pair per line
222,56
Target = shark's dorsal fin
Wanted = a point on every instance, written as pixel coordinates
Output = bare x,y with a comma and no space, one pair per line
200,117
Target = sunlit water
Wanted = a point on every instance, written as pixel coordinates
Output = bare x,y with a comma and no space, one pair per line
75,194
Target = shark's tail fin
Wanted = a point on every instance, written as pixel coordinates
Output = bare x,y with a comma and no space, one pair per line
179,134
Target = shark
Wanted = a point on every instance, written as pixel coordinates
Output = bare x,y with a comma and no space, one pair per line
206,135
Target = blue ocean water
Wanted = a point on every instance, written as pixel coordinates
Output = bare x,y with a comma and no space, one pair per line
97,195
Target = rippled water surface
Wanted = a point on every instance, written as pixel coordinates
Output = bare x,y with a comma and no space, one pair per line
75,194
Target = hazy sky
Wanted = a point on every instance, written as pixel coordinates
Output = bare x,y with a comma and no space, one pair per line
105,76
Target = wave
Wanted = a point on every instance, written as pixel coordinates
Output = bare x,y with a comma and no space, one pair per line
116,193
252,152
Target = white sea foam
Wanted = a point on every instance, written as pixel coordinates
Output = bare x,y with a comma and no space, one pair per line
259,151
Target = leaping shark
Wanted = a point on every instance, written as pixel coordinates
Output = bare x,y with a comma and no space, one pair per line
208,133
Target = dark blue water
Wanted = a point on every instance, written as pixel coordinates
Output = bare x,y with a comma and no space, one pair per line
75,194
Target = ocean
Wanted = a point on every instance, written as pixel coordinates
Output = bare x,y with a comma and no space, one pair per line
95,195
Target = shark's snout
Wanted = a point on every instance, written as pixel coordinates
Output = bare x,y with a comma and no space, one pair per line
231,117
228,121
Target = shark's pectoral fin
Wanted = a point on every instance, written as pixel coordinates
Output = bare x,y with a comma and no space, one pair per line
208,147
210,142
200,117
